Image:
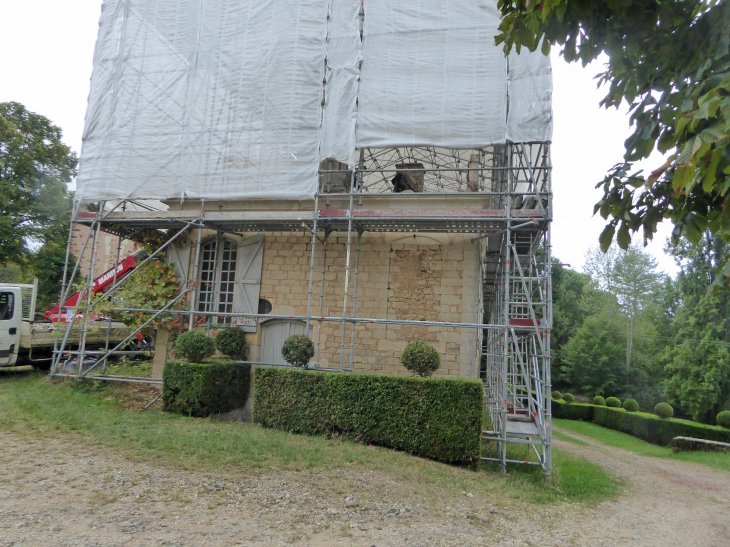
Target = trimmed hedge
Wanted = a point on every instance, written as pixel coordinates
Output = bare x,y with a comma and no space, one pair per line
664,410
420,358
645,426
630,405
436,418
654,429
572,411
557,395
613,402
231,341
568,397
599,401
194,346
203,389
723,418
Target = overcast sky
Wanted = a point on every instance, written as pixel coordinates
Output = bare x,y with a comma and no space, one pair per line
46,52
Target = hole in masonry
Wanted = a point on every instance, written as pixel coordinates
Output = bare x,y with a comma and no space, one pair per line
264,306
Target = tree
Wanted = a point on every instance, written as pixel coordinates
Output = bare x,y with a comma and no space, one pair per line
632,277
698,362
670,61
699,366
35,167
569,291
593,357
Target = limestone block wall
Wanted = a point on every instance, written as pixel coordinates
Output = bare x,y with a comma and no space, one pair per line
400,276
106,252
423,278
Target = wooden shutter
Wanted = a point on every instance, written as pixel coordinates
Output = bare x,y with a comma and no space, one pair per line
180,259
248,285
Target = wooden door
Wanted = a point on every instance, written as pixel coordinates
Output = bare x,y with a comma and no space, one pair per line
274,334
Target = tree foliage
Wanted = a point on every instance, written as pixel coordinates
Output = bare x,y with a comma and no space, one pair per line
698,364
670,61
35,167
632,277
152,288
35,204
594,356
570,288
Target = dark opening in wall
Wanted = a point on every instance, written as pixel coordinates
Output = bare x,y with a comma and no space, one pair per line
264,306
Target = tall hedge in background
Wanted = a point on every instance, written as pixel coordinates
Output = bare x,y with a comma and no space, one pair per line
648,427
432,417
655,429
204,389
573,411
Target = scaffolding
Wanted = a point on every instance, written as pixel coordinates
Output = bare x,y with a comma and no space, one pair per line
500,194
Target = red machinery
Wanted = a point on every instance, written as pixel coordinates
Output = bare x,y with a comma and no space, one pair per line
100,283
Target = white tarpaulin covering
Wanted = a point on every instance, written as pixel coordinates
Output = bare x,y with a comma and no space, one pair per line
225,99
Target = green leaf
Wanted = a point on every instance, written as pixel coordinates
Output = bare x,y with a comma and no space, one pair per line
606,237
682,176
545,48
623,238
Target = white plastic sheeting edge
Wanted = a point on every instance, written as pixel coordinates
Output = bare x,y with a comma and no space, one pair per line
230,99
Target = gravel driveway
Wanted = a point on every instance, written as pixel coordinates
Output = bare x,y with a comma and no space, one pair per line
56,491
670,502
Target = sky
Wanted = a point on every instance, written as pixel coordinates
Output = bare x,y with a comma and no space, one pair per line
46,54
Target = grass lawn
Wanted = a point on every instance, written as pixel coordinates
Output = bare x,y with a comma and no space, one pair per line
628,442
111,416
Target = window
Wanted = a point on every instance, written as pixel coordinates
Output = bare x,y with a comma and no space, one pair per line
6,306
264,306
218,278
230,278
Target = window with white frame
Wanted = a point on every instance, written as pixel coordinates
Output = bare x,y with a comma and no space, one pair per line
230,278
218,277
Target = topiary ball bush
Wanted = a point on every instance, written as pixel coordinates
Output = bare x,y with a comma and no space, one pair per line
630,405
568,398
194,346
231,342
723,419
599,401
297,350
664,410
613,402
557,395
420,358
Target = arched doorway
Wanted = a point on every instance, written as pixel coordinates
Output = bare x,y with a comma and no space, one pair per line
273,335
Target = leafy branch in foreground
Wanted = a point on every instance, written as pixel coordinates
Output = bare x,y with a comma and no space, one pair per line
670,61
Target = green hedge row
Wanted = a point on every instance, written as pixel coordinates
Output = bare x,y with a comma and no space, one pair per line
206,388
431,417
645,426
573,411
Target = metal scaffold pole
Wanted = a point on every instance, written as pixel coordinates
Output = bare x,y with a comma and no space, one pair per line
196,269
311,259
347,270
88,290
66,282
321,297
354,300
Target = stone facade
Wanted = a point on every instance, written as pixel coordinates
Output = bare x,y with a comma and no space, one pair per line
400,276
106,252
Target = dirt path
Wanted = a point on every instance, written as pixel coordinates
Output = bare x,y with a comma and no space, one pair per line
54,491
669,502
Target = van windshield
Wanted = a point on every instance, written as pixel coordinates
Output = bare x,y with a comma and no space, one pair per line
7,303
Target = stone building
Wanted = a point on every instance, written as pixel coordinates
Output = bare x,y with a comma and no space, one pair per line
106,251
402,276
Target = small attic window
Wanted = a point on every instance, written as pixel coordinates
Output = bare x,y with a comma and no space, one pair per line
264,306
